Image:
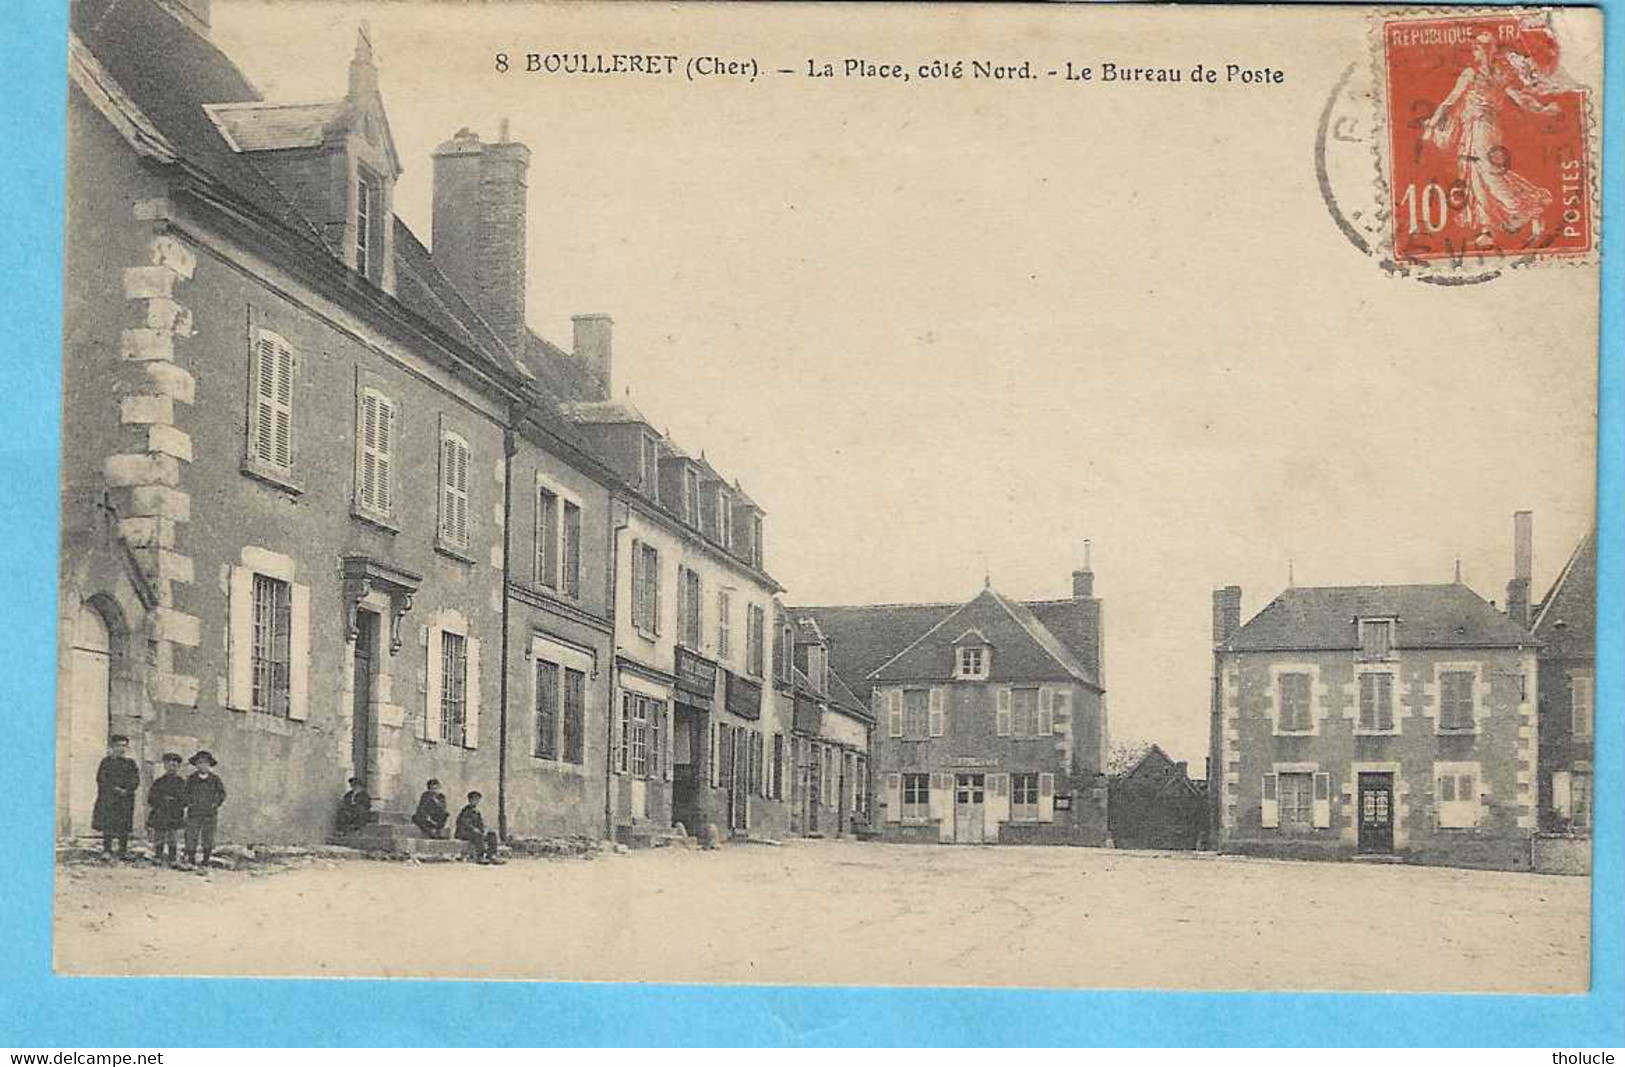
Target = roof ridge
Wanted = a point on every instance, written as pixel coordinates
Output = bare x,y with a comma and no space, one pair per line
1562,579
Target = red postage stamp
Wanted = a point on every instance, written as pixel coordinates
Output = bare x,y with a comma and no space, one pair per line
1488,140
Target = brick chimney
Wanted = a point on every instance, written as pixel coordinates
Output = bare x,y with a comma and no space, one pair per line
593,349
479,227
1226,613
1523,552
1083,579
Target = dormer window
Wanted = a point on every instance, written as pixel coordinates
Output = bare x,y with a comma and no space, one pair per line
725,519
691,496
1376,639
649,466
756,541
365,211
972,662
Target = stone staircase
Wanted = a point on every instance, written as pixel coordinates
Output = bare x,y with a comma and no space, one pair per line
393,833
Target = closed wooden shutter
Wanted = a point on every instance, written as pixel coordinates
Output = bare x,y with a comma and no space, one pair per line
433,683
298,652
937,712
941,797
454,491
377,431
471,693
894,797
1003,712
1046,712
894,713
1270,808
272,430
240,638
663,716
1563,793
1046,797
1323,800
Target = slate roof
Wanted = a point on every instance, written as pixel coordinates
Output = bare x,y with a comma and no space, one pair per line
1566,622
604,412
913,641
259,127
1430,616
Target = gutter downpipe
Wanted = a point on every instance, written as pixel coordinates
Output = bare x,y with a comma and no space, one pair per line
509,448
621,520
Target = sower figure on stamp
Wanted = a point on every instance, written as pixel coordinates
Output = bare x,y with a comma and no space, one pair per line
205,792
166,810
117,779
432,812
1468,123
482,843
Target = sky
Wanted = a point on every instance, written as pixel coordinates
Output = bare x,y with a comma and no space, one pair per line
942,331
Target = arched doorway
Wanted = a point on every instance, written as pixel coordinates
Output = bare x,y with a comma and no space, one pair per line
88,712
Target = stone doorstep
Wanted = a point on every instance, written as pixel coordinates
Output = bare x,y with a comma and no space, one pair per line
645,835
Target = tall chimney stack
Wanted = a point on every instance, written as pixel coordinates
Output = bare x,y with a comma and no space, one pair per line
1083,579
593,335
1523,553
479,228
1226,613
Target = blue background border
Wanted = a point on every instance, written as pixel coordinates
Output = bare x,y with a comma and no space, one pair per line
43,1010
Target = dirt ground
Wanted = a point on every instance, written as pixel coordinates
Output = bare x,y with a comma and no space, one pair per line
849,913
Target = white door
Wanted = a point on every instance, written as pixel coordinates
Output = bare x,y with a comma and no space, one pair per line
88,724
640,800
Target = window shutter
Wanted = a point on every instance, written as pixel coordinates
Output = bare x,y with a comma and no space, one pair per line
617,729
936,712
471,693
662,716
1270,810
1467,790
240,608
654,590
431,699
1046,797
367,447
1563,793
1323,801
894,797
1580,705
1003,713
941,796
272,415
454,491
1046,712
298,652
894,713
385,453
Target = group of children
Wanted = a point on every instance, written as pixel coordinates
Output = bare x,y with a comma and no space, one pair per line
431,816
175,805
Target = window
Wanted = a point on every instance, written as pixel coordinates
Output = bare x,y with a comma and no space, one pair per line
453,688
572,551
453,490
1458,796
1024,797
916,796
271,660
547,538
1456,700
1377,702
972,662
575,716
1580,704
1580,799
645,588
649,466
776,786
725,518
1297,799
756,540
786,655
691,496
376,445
815,669
1376,638
688,592
724,624
270,414
755,638
916,709
1295,714
365,210
640,735
1024,712
547,710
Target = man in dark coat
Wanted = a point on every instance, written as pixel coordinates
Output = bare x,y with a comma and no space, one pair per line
166,810
471,828
205,792
432,813
355,809
117,779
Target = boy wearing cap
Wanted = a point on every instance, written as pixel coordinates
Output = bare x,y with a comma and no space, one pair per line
117,778
432,814
355,809
471,828
166,810
205,792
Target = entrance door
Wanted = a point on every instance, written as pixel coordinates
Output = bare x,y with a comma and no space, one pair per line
968,821
815,787
88,719
363,734
1376,812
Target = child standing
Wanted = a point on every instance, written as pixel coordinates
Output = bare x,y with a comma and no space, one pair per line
205,792
166,810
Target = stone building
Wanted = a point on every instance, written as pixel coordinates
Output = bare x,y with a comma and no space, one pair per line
832,731
1396,721
990,715
1565,624
324,512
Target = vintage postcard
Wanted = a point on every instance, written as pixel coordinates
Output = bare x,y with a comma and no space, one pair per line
1074,496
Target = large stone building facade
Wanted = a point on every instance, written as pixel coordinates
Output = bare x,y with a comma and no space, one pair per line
324,510
1380,720
1564,623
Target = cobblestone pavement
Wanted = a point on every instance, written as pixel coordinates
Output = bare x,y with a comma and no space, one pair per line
838,912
